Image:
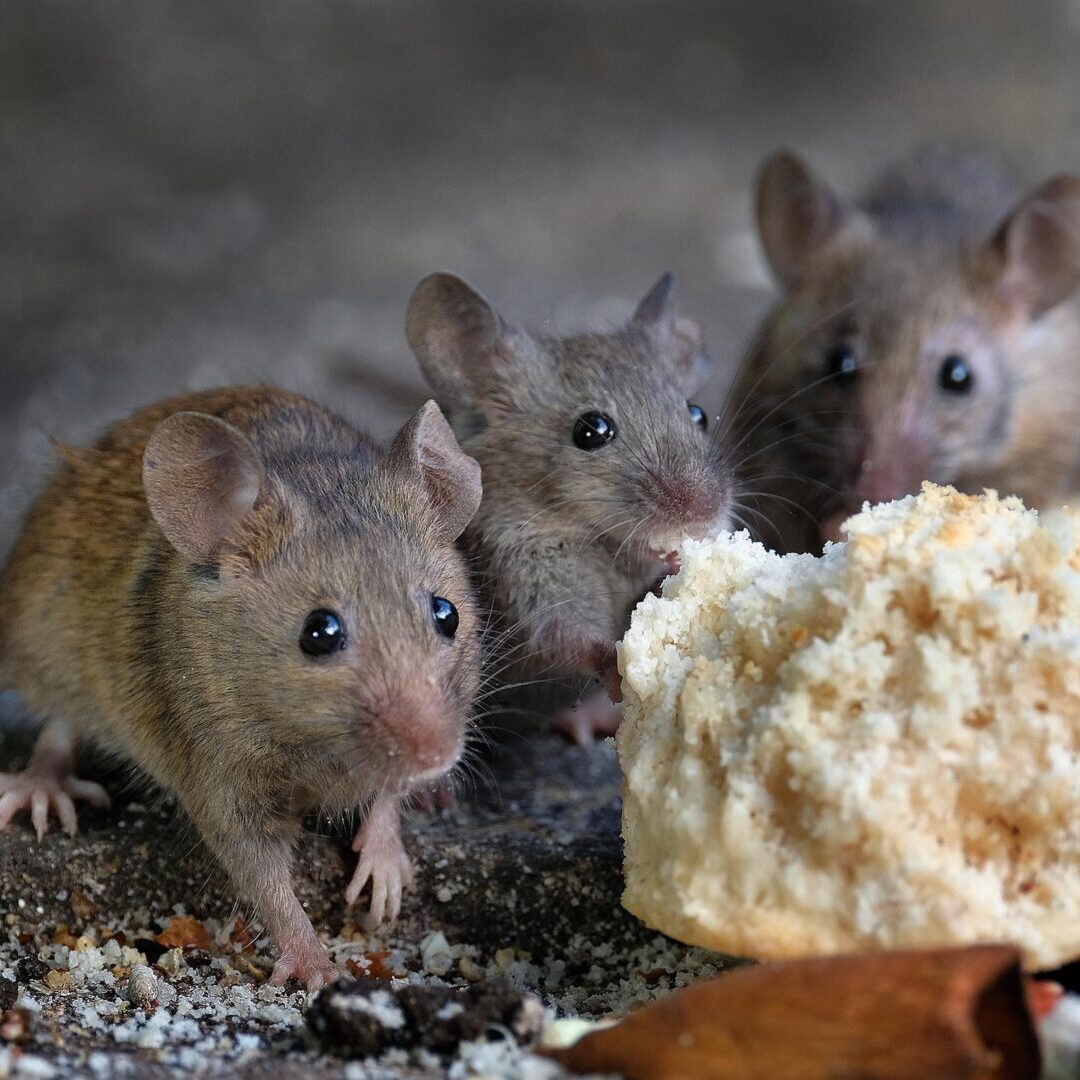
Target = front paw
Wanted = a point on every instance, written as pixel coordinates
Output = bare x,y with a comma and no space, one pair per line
383,861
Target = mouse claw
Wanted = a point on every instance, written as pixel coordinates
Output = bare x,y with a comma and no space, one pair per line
589,720
383,861
308,963
38,793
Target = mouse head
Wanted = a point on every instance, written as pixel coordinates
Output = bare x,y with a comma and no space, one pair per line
903,352
594,438
327,609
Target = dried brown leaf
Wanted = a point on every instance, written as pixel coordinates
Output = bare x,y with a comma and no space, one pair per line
64,936
184,932
886,1016
82,906
369,966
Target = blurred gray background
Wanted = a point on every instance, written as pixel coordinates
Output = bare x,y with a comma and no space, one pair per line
196,193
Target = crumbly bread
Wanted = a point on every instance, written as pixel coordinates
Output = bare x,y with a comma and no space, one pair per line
877,748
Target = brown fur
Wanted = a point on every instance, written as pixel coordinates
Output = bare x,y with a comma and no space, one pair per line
942,257
193,671
567,540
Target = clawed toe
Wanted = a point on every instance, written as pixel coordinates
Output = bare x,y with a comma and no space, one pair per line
314,970
588,721
383,861
39,795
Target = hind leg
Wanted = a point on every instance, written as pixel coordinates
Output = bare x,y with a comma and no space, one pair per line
594,717
48,783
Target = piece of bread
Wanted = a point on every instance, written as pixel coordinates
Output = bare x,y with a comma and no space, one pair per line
876,748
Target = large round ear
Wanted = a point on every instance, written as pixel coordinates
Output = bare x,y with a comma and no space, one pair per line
797,215
202,477
426,449
1033,259
456,336
675,337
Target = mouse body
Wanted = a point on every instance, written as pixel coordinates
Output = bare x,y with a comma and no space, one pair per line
596,464
264,611
928,331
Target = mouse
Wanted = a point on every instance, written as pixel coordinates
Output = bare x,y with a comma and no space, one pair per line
596,464
927,331
264,611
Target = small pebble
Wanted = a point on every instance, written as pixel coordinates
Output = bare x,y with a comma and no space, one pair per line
171,961
142,987
470,970
58,981
435,954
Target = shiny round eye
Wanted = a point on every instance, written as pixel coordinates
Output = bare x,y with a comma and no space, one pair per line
697,414
840,363
593,430
955,375
445,616
322,634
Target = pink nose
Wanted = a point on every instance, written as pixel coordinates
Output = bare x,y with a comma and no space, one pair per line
690,502
427,737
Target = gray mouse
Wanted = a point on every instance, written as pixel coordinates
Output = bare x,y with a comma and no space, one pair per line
596,464
265,612
928,331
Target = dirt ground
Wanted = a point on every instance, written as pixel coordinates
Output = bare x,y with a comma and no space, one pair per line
198,194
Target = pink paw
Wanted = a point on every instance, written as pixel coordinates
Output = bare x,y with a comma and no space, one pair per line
307,961
384,862
589,720
40,793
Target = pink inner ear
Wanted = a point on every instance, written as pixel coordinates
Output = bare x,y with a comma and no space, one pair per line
427,449
797,216
202,477
1036,252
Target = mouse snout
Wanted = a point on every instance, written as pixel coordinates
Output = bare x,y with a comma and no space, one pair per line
424,735
694,504
889,470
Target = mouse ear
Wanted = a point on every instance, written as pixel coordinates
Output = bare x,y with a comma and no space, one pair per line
693,364
456,336
675,337
1034,257
797,215
656,311
202,477
426,447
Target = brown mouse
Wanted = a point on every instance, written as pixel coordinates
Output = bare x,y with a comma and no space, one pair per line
264,611
595,462
926,332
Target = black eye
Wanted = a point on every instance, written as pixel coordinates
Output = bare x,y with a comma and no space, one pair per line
840,363
323,634
697,414
445,616
955,375
593,430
